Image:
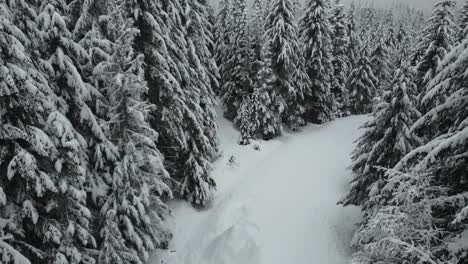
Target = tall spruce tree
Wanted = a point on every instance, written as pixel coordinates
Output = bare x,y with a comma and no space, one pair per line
463,22
194,171
283,46
184,103
267,102
402,229
91,19
340,42
354,44
42,199
437,40
222,39
362,85
62,59
381,65
207,55
316,34
257,36
237,82
133,210
444,153
386,140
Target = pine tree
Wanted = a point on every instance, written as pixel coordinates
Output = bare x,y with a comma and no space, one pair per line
245,118
61,60
266,102
438,38
133,209
201,148
207,55
463,27
386,140
257,37
90,32
381,65
237,82
283,45
199,39
362,85
444,152
222,39
443,126
353,46
178,88
367,23
406,42
316,31
266,117
340,42
28,182
401,230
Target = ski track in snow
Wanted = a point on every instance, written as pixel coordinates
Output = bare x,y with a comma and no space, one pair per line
277,206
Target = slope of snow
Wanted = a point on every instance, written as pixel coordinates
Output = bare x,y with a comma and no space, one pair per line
275,205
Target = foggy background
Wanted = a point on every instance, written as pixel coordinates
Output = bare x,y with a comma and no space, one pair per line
422,4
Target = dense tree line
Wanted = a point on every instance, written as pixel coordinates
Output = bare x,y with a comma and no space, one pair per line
106,111
410,165
283,66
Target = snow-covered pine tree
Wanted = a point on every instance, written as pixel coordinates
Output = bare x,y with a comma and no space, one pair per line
246,120
28,179
386,140
387,30
133,210
266,102
406,42
61,59
367,23
222,39
381,66
246,115
237,83
354,44
418,24
437,40
463,24
283,46
408,37
194,171
183,115
92,18
444,129
362,84
211,14
316,34
265,118
340,42
401,230
199,39
257,36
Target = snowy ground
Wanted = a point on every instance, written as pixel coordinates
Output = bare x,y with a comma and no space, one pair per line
276,205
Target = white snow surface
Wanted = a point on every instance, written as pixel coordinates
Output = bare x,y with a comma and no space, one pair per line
274,206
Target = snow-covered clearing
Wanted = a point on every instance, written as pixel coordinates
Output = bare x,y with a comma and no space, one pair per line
276,205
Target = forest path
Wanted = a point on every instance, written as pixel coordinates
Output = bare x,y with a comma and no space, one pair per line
273,206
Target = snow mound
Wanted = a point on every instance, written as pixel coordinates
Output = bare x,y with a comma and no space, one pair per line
238,243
